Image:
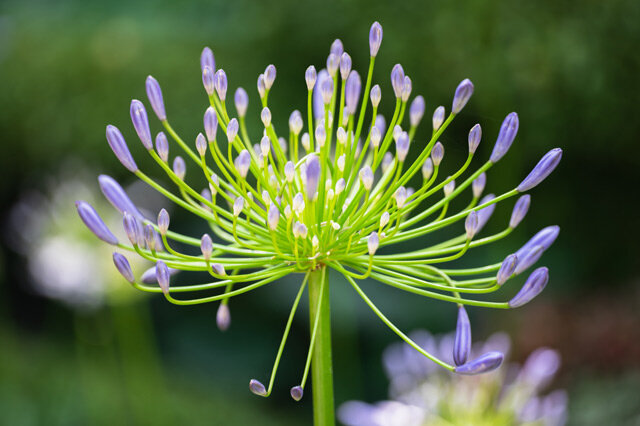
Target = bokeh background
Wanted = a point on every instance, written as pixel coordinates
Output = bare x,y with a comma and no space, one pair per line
67,68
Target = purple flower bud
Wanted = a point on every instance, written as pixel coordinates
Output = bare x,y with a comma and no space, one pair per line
520,210
155,98
376,137
376,96
337,48
120,148
232,129
387,160
118,198
210,124
345,65
543,238
122,264
265,146
507,269
131,229
141,123
265,116
402,146
401,197
313,176
269,76
484,214
310,77
372,243
438,118
206,246
163,276
242,101
296,393
483,364
375,38
162,146
295,122
471,224
318,102
238,205
475,134
366,177
416,111
273,217
543,169
437,153
201,144
531,288
397,80
406,89
478,185
163,221
94,222
223,317
262,90
289,171
149,276
179,167
243,162
449,187
381,123
257,388
462,341
207,59
333,61
221,84
507,134
462,95
427,168
326,90
528,258
218,269
209,80
150,236
352,92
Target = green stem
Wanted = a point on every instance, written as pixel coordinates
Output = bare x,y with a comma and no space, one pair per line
321,368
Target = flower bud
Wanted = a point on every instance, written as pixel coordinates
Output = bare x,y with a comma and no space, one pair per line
462,340
298,203
543,238
214,185
223,317
242,163
471,224
485,213
257,388
206,246
201,144
507,269
341,135
340,184
131,228
397,131
401,197
232,130
326,90
265,116
318,102
416,111
402,146
519,210
120,149
296,393
483,364
427,168
289,171
475,134
437,153
375,95
238,205
528,258
162,146
221,84
376,137
341,162
352,92
543,169
478,185
310,77
384,219
122,264
262,90
209,80
118,198
287,211
366,177
372,243
163,221
94,222
218,268
295,122
462,95
141,123
333,61
150,236
345,65
375,38
242,101
269,76
406,89
387,160
438,118
306,142
397,80
536,282
507,134
179,167
380,123
207,59
163,275
273,217
315,243
321,135
313,176
154,94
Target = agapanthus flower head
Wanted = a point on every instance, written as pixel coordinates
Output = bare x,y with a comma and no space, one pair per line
334,191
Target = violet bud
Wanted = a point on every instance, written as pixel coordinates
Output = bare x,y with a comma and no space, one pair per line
397,130
120,148
163,221
543,169
402,146
141,123
326,90
462,341
507,269
337,48
478,185
366,177
462,95
507,134
406,89
269,76
483,364
206,246
296,393
257,388
528,257
201,144
318,102
345,65
162,146
209,80
416,111
242,101
376,137
295,122
333,61
401,197
207,59
232,130
273,217
163,276
118,198
438,118
218,268
449,187
372,243
94,222
475,134
150,236
223,317
313,176
352,92
210,124
384,219
262,90
427,168
122,264
265,116
298,203
243,162
397,80
130,226
310,77
340,184
265,147
289,171
155,98
376,96
471,224
375,38
221,84
437,153
238,205
519,210
543,238
531,288
485,213
387,160
179,167
321,135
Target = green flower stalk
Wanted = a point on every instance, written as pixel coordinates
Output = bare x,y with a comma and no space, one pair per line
331,193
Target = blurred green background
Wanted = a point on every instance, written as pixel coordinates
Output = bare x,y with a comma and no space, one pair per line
570,69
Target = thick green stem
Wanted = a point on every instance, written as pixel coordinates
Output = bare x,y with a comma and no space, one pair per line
321,366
